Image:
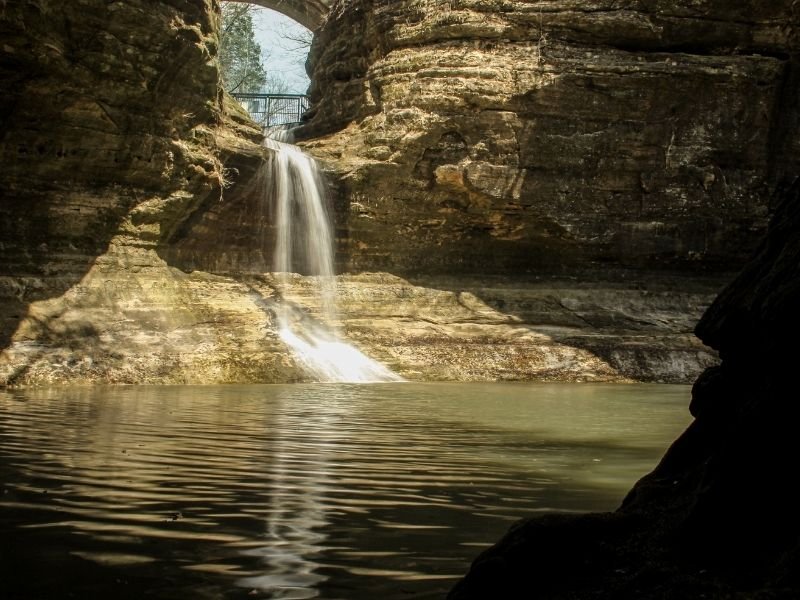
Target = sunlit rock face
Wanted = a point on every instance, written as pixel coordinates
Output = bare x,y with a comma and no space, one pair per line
538,137
136,239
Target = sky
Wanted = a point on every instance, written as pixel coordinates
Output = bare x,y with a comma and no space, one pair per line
281,56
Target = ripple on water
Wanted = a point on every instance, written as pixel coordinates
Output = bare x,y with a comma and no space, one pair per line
331,491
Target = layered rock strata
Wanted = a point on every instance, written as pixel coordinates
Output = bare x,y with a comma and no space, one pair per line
522,137
476,149
113,135
135,319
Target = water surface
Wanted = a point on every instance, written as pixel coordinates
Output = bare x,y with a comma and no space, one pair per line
302,491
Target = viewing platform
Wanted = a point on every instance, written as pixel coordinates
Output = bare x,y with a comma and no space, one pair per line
270,110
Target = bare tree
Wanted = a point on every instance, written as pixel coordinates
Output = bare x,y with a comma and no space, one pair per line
296,39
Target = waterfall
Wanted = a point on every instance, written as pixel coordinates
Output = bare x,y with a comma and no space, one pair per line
304,244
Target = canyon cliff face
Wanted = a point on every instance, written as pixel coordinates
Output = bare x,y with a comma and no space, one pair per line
543,191
598,159
542,137
113,135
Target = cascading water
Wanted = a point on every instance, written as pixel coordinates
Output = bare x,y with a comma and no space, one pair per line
304,243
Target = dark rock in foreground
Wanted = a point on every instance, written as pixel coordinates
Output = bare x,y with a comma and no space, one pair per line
718,518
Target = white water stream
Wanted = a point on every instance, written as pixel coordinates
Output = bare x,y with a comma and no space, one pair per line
304,243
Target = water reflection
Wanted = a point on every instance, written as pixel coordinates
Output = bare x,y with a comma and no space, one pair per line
332,491
297,488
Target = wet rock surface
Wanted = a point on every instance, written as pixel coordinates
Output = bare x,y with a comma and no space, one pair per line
159,324
550,331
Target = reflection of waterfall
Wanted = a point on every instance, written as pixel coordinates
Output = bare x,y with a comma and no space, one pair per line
298,484
304,244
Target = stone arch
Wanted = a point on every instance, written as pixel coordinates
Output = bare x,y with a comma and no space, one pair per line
309,13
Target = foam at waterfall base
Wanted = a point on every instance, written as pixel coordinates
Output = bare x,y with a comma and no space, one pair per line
330,360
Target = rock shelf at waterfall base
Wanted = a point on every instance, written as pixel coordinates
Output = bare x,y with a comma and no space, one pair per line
162,325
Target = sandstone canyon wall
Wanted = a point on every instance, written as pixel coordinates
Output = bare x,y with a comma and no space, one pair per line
635,147
113,135
522,190
542,137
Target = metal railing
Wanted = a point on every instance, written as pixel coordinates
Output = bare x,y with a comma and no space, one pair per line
274,109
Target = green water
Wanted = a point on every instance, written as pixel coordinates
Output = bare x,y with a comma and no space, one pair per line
302,491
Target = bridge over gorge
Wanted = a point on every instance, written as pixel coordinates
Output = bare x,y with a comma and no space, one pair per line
309,13
270,110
